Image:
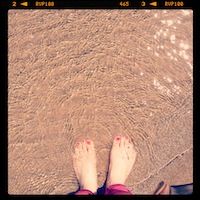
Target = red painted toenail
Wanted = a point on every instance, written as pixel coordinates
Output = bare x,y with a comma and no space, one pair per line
77,144
88,142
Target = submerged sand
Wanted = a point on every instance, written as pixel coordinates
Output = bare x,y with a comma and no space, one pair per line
77,74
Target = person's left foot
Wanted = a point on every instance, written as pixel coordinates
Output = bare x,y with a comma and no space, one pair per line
122,159
84,161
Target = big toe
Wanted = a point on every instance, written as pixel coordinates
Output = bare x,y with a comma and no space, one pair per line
90,145
116,142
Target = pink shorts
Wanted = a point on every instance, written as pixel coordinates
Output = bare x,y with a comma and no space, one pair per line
116,189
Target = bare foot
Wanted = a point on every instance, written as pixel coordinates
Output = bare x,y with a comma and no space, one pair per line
122,158
84,161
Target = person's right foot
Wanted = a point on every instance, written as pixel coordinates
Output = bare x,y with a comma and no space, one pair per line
84,162
122,158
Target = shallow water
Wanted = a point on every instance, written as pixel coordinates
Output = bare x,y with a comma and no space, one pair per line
77,74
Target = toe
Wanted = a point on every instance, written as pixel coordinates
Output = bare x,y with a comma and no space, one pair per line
84,146
122,142
132,152
128,143
77,148
116,141
89,145
74,156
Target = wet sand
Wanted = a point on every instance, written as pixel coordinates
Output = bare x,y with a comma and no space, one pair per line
77,74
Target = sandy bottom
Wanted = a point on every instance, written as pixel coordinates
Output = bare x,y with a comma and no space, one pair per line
77,74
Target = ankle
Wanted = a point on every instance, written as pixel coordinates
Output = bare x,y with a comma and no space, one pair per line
92,188
112,181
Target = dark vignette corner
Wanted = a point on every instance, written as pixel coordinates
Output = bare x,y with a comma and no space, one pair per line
3,96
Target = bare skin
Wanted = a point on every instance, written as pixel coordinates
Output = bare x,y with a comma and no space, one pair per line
84,161
122,159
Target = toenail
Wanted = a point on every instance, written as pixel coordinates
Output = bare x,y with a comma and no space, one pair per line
88,142
77,144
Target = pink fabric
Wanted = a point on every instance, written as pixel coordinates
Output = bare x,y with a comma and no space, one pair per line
116,189
84,192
